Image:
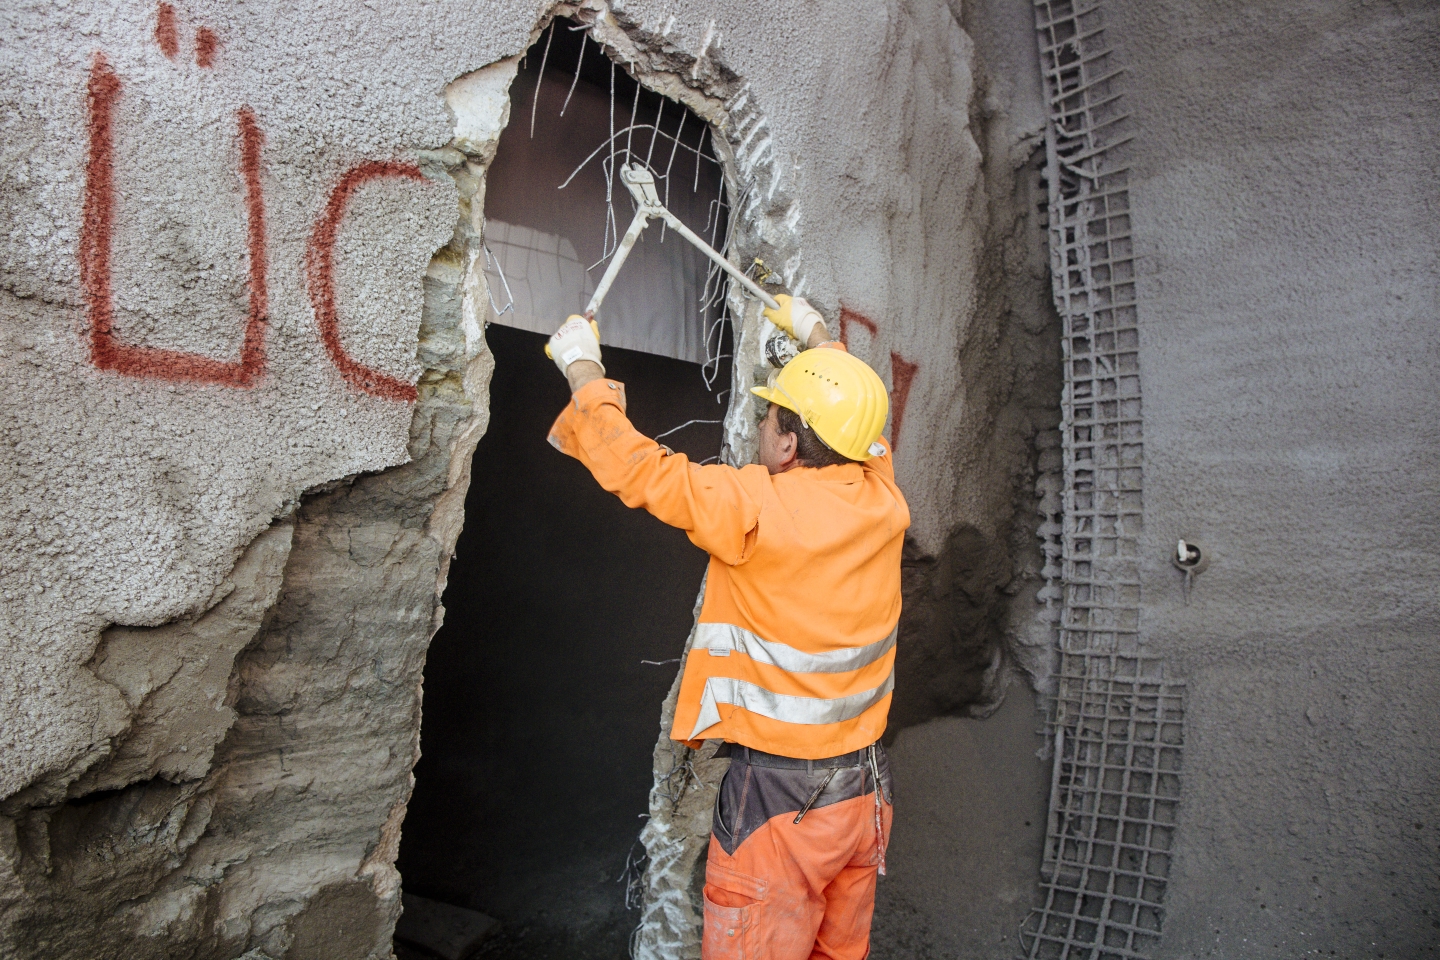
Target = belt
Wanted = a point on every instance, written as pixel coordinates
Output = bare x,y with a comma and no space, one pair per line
759,758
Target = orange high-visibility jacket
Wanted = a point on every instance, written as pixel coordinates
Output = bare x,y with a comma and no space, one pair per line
795,648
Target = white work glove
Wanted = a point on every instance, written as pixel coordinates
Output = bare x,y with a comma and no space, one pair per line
796,317
575,340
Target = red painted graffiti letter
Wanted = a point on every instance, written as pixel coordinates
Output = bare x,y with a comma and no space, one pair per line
320,270
97,229
902,375
165,30
847,317
206,43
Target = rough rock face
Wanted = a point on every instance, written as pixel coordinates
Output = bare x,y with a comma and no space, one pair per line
256,801
246,790
243,445
313,739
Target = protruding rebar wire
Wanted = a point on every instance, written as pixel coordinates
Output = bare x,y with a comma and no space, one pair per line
492,260
682,426
710,369
535,98
707,298
634,106
627,157
729,220
674,146
659,115
699,147
709,293
612,229
606,250
579,61
709,333
712,366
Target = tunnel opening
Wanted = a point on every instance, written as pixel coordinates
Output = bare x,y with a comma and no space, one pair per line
565,610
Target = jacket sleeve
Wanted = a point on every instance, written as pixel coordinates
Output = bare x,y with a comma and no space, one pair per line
717,506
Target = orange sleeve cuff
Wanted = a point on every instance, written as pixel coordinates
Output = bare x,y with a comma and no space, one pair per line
565,431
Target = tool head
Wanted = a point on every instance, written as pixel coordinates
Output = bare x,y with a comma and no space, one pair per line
641,185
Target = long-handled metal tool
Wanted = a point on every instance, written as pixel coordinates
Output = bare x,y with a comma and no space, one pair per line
641,185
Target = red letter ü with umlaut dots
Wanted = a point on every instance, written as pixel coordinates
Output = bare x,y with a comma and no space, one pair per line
108,352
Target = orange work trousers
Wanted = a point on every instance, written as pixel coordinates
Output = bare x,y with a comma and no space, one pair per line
780,890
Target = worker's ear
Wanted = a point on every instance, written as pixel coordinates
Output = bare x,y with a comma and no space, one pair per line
788,448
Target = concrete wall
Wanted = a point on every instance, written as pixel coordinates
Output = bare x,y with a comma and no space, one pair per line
243,376
1288,237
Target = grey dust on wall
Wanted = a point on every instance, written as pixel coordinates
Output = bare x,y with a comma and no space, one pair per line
565,610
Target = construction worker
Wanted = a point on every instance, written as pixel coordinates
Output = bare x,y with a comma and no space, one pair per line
792,659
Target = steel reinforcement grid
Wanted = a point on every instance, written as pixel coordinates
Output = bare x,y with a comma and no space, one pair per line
1116,723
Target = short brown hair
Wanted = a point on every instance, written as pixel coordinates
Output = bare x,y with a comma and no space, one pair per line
810,450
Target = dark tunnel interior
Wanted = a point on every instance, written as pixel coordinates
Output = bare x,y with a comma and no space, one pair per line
539,716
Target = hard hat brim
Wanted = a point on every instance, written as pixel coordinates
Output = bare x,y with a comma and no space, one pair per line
774,396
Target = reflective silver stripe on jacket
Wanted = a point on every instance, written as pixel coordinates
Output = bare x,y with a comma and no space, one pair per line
720,638
779,706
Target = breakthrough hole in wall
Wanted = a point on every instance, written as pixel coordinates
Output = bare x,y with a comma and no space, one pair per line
555,208
540,714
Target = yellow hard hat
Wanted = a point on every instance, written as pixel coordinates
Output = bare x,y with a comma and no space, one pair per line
837,395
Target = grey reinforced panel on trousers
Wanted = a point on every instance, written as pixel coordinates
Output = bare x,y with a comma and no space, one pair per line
751,795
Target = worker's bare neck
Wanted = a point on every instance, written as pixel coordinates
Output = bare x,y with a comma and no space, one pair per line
795,465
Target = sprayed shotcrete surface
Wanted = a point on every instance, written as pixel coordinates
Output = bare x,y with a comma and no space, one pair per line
1287,238
244,372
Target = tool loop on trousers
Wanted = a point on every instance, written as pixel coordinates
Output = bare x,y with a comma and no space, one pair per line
816,795
879,820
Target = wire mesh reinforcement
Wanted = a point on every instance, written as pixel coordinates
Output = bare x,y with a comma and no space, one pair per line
1114,800
1116,721
712,299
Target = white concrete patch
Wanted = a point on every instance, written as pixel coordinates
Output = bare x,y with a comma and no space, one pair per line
480,104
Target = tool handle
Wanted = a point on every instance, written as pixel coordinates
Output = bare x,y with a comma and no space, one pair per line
647,204
715,255
632,233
